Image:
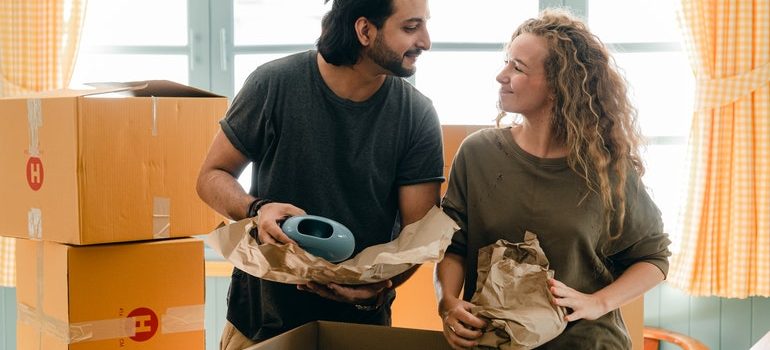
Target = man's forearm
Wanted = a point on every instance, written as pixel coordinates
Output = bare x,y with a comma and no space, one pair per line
222,192
414,203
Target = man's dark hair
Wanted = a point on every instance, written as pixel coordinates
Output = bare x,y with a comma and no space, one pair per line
338,43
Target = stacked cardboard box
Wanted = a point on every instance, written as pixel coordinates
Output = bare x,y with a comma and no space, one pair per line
97,185
146,295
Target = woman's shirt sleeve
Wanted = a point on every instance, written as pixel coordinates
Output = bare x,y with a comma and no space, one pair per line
642,238
454,202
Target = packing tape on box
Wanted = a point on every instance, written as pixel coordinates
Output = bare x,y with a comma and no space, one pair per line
177,319
33,317
35,121
77,332
35,223
161,217
102,329
182,319
39,269
154,100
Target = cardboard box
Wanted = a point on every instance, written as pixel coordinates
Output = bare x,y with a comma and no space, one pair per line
147,295
323,335
106,165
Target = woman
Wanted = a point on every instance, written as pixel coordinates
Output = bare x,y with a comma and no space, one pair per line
568,171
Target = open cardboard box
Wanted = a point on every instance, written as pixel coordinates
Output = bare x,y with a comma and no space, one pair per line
112,164
324,335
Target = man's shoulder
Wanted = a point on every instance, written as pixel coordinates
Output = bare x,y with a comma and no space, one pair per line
422,111
286,65
278,72
408,90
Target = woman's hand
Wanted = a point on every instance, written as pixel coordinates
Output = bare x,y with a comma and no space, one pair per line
461,328
584,306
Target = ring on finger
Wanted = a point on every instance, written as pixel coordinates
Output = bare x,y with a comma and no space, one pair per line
452,329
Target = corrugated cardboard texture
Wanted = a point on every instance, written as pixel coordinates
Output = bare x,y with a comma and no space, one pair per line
323,335
106,161
89,284
58,196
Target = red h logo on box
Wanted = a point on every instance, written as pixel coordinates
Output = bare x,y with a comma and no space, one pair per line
146,323
35,173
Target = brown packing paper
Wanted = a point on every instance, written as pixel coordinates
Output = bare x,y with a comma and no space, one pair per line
512,295
423,241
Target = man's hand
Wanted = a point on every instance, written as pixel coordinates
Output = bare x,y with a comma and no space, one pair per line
363,294
461,328
269,216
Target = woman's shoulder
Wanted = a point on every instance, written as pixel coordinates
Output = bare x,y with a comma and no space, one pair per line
484,136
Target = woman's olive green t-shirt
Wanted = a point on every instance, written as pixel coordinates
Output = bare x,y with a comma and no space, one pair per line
498,191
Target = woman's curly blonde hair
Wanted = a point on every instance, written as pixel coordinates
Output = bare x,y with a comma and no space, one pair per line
592,114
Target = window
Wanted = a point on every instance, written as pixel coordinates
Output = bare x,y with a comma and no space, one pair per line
258,38
662,88
126,40
459,71
216,44
470,57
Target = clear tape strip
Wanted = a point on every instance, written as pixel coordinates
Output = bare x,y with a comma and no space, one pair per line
177,319
40,248
35,223
183,319
102,329
76,332
154,100
35,121
161,217
45,324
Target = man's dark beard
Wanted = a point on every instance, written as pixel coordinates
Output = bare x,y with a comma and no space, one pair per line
386,58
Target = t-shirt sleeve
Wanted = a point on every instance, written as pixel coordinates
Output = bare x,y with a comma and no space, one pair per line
454,203
642,238
247,123
424,157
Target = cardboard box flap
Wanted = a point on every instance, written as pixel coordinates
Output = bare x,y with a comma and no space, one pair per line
66,93
326,335
145,88
148,88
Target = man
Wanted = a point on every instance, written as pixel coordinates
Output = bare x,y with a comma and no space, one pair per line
336,133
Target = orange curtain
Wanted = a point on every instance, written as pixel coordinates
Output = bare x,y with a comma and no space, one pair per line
38,48
725,222
38,44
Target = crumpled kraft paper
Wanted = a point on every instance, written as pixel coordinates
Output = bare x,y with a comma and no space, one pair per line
423,241
512,295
